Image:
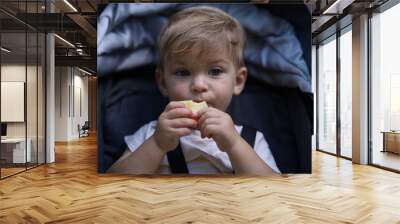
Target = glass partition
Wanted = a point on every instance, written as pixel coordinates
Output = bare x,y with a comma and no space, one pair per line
32,87
41,91
13,107
22,89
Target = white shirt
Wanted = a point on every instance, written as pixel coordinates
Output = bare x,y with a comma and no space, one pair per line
202,155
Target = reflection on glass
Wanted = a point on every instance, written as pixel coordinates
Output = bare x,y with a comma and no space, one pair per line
346,94
41,97
327,97
31,101
385,86
13,84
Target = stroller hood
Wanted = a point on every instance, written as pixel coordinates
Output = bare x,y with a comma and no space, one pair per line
127,35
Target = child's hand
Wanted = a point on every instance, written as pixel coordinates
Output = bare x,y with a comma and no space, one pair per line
176,121
218,125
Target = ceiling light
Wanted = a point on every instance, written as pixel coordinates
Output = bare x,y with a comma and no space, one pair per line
86,72
337,7
65,41
70,5
5,50
328,10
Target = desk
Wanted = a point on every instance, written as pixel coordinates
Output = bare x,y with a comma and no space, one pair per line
15,148
391,141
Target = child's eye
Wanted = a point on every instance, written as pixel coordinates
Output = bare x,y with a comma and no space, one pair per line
182,73
215,72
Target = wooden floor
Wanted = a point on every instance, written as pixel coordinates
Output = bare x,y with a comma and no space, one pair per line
9,170
387,159
5,172
71,191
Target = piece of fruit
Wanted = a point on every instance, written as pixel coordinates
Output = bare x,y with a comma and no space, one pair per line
193,106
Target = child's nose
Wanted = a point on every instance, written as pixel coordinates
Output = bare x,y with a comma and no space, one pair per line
199,84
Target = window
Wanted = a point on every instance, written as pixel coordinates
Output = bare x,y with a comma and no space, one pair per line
385,88
346,94
327,96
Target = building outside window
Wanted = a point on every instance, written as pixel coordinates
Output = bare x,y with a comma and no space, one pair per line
327,96
346,93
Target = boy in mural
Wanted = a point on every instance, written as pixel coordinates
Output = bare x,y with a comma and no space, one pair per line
201,59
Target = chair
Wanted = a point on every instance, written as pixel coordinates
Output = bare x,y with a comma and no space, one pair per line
84,130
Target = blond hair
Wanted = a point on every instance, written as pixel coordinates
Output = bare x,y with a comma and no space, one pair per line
201,25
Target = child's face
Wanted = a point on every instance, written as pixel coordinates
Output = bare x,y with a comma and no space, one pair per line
204,74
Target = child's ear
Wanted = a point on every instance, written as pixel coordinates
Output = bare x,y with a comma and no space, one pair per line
240,80
161,82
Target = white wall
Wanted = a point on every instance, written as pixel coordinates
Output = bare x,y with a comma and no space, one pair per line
12,101
16,72
81,104
12,73
61,103
71,94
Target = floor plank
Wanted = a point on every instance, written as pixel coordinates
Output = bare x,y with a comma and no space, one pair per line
71,191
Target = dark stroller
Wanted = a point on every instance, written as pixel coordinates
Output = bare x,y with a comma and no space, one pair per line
129,99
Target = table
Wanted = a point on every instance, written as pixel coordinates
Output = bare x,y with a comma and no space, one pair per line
391,141
15,148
